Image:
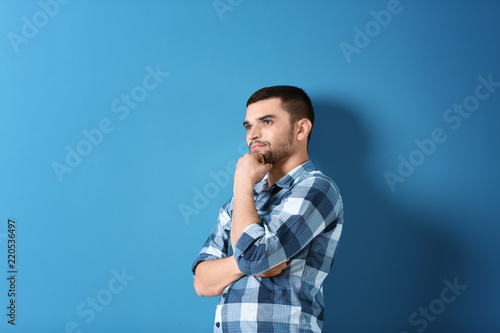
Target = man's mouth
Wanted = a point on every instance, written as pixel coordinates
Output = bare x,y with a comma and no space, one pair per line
256,147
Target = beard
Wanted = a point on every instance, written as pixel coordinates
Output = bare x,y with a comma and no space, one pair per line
276,152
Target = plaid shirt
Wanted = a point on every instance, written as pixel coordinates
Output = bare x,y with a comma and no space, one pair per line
302,220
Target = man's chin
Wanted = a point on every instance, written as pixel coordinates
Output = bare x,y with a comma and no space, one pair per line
267,157
266,153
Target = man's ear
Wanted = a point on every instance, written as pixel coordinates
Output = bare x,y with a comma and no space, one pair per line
304,127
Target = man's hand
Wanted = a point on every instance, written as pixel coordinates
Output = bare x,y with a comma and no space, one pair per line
251,169
213,276
276,270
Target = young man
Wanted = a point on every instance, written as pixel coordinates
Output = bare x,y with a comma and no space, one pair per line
275,240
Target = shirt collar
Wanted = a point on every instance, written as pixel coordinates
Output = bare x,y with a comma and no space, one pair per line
287,180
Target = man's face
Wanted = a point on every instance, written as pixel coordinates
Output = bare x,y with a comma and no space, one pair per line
269,130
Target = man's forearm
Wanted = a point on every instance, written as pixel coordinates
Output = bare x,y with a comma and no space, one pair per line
213,276
244,211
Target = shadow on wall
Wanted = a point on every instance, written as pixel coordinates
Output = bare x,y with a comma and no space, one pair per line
390,260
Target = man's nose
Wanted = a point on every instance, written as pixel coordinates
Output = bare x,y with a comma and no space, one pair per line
253,133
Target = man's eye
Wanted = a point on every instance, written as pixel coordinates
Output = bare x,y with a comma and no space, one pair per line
267,122
247,127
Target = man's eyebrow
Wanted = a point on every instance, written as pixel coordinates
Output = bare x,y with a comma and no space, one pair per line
267,116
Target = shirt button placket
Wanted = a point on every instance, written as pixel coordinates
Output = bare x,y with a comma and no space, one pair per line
218,319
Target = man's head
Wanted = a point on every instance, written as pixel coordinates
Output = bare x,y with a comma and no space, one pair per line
278,123
293,100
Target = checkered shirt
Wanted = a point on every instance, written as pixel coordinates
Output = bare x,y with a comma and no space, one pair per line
302,219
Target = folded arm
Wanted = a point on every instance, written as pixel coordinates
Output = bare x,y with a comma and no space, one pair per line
310,208
213,276
213,271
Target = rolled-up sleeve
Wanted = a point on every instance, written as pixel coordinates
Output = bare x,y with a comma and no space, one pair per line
216,245
310,206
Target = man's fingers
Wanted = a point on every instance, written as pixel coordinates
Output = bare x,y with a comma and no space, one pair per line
259,157
276,270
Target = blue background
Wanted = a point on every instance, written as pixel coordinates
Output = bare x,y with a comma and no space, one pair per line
145,197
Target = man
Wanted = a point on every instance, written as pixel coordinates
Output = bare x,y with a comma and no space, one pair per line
275,240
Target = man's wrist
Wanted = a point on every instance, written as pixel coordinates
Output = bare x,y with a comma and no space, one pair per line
243,186
236,270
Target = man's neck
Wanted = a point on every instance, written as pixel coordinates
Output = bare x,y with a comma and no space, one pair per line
284,166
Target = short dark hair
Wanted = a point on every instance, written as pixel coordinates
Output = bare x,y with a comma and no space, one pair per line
293,100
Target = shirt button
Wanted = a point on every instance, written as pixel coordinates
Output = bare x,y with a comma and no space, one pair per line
217,324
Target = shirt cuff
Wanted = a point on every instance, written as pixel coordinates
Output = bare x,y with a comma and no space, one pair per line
202,257
247,238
